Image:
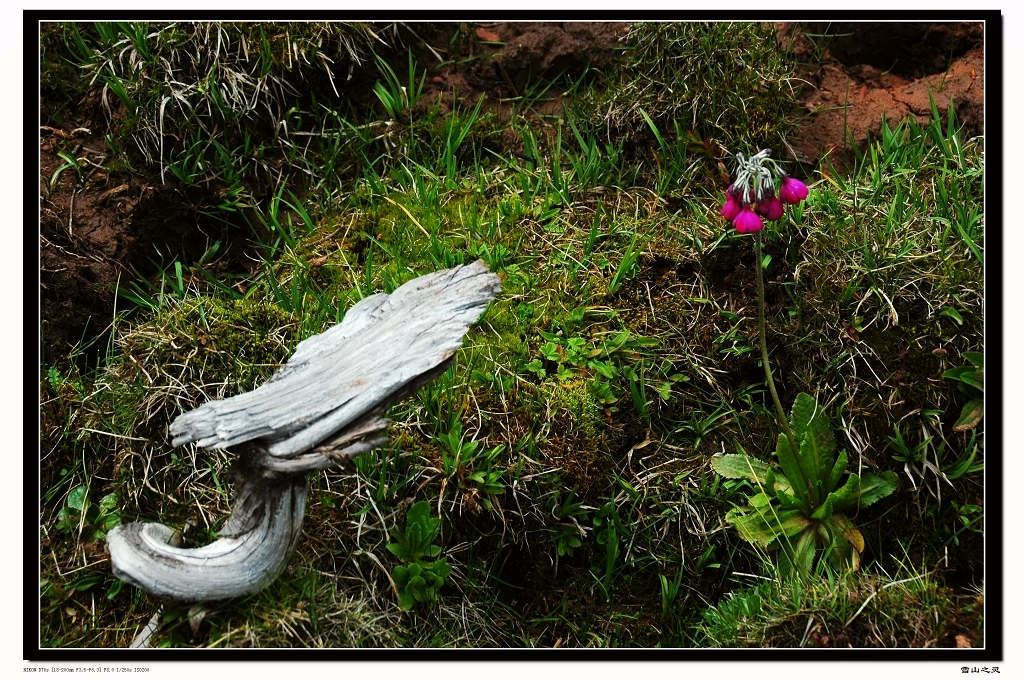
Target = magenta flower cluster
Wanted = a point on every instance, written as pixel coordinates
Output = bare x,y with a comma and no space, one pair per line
753,197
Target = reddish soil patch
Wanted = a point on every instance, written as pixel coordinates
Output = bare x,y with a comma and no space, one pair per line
99,227
506,60
891,69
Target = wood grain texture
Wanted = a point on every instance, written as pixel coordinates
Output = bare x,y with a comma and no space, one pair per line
326,404
253,548
384,343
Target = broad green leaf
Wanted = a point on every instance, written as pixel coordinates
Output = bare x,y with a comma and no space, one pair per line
751,526
76,499
971,414
977,359
816,458
837,470
741,466
817,447
737,466
874,487
969,375
803,410
792,471
846,496
764,525
400,549
442,569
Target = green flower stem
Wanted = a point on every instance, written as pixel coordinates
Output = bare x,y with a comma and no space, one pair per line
780,412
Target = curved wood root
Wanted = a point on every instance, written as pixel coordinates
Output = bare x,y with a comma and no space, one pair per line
326,404
253,548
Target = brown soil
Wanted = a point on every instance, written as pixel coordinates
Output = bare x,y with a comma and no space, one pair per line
98,227
504,59
891,69
101,228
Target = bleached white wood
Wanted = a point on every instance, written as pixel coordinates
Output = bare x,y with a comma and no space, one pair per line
384,343
326,404
253,547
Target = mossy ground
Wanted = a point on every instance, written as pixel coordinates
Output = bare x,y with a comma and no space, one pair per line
618,359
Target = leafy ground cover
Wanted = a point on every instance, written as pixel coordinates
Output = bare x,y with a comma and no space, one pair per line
557,486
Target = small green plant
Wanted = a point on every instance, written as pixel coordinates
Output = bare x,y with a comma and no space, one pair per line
94,520
608,529
396,97
670,590
569,531
569,355
805,506
474,466
419,578
70,163
626,267
970,380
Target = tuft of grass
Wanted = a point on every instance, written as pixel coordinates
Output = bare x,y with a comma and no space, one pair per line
678,72
851,610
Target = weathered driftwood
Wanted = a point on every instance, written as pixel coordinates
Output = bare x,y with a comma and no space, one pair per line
327,403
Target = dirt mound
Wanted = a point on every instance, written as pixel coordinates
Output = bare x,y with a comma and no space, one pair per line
847,97
519,59
911,50
534,50
98,227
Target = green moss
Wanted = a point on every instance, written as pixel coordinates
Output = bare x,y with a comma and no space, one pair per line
240,341
574,400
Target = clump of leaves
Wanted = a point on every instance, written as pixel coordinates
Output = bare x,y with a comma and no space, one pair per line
805,506
420,577
93,519
970,381
567,357
568,532
475,467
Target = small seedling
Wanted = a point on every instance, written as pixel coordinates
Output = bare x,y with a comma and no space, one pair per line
970,380
79,516
608,528
418,579
475,467
568,532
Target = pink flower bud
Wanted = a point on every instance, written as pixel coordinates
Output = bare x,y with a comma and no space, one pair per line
770,208
792,190
731,208
747,222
